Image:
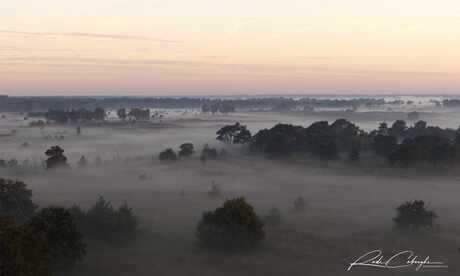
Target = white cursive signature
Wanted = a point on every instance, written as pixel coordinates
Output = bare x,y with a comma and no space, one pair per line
401,259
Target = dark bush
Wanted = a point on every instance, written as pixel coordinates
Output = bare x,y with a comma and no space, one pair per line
23,251
103,222
64,240
209,153
234,134
82,162
186,150
15,200
234,226
56,158
413,216
167,155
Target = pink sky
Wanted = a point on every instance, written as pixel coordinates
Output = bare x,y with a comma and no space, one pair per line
181,47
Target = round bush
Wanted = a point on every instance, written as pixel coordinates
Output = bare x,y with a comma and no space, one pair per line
233,226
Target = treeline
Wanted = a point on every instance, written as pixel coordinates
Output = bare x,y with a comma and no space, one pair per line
85,115
75,115
42,104
399,144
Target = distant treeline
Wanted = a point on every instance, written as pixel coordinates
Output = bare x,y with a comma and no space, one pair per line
85,115
41,104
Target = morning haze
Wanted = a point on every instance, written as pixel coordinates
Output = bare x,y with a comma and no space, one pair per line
229,138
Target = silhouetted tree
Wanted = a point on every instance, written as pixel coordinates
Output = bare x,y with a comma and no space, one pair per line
398,129
23,251
65,242
121,113
234,134
209,153
103,222
99,114
140,114
383,129
82,162
15,200
186,150
411,216
56,158
234,226
167,155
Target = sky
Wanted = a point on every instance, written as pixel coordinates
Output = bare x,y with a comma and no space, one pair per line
215,47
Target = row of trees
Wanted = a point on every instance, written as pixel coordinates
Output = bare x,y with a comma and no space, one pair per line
187,150
75,115
221,107
135,113
37,104
399,144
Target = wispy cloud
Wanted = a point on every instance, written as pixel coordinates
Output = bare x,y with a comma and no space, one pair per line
90,35
228,67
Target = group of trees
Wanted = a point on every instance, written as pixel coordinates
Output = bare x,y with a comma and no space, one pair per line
221,107
414,215
320,139
10,163
233,226
187,150
104,222
398,144
234,134
75,115
51,240
135,113
35,243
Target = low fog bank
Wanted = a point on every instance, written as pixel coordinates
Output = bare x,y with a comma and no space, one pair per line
349,206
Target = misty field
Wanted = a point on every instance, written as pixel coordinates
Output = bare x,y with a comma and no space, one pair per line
349,207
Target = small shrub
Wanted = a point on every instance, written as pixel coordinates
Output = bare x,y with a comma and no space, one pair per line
209,153
274,217
299,204
234,226
414,215
186,150
56,158
82,162
167,155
